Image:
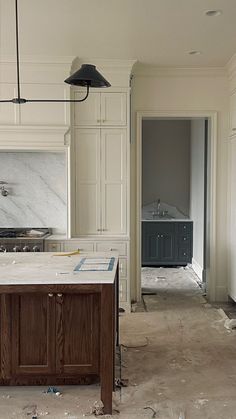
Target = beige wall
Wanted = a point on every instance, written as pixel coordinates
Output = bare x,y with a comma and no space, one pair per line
165,162
190,90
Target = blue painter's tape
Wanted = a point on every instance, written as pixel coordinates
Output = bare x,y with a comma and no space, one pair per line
82,262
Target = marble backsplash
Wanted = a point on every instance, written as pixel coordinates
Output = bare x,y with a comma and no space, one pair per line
37,185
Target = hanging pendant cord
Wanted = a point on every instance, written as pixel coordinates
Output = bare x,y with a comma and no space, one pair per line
17,52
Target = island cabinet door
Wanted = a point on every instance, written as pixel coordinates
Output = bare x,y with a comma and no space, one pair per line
77,334
33,334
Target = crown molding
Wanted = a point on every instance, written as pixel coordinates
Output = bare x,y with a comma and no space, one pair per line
144,70
108,64
33,138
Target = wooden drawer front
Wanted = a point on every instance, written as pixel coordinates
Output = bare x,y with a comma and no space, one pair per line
123,291
119,247
72,246
123,268
184,228
53,247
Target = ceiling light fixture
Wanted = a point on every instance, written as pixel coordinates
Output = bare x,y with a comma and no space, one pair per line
87,76
213,13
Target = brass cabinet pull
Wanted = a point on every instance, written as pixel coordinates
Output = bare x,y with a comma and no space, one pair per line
50,295
59,295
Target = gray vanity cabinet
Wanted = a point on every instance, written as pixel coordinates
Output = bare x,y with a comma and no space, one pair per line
166,243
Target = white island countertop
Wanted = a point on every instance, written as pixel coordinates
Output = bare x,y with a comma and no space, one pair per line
46,268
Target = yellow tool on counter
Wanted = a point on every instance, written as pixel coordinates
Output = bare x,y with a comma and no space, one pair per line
76,252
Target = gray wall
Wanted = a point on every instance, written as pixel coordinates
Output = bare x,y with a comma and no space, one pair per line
166,162
197,192
37,183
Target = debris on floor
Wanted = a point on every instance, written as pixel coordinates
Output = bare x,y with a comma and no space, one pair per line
98,408
154,413
30,410
137,344
53,390
230,324
121,382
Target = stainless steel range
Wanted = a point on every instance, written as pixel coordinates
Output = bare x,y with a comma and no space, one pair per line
23,239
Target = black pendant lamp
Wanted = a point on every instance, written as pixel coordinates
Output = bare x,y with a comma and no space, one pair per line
87,76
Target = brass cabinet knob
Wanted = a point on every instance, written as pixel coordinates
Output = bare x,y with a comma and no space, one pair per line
59,295
50,295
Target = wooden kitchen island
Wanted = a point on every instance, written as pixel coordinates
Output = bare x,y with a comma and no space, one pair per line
58,326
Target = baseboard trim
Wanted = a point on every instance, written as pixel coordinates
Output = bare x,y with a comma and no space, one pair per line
197,269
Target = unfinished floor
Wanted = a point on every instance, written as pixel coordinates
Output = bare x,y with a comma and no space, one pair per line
178,356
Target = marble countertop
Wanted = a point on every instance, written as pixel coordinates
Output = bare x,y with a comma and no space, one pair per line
51,269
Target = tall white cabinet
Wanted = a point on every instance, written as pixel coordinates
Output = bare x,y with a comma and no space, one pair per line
101,163
100,171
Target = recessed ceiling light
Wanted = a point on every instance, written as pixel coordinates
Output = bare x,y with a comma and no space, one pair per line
213,13
194,52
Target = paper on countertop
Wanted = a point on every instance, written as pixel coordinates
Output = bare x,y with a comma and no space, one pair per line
94,267
97,261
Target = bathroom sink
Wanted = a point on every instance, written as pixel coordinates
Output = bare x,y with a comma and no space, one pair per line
163,215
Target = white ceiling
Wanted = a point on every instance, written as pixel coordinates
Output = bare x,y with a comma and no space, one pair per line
159,32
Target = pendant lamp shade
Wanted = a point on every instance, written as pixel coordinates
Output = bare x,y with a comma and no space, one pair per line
87,75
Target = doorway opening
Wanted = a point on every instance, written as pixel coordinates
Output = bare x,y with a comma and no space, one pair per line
175,199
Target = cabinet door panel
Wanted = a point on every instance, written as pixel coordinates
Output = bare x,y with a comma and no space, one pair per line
167,244
151,248
89,112
113,108
114,181
78,333
33,334
87,208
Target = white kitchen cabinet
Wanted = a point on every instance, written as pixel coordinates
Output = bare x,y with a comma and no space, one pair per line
87,182
101,109
82,246
101,181
53,246
112,246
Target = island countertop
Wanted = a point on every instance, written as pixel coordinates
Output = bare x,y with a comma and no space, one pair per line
48,268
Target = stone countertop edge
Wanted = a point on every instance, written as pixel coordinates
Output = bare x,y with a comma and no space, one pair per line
50,268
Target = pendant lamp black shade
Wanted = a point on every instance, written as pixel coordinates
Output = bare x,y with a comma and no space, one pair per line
87,75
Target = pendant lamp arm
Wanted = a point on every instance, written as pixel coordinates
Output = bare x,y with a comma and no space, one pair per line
59,100
19,101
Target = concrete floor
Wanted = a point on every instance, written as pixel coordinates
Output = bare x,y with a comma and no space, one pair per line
179,359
